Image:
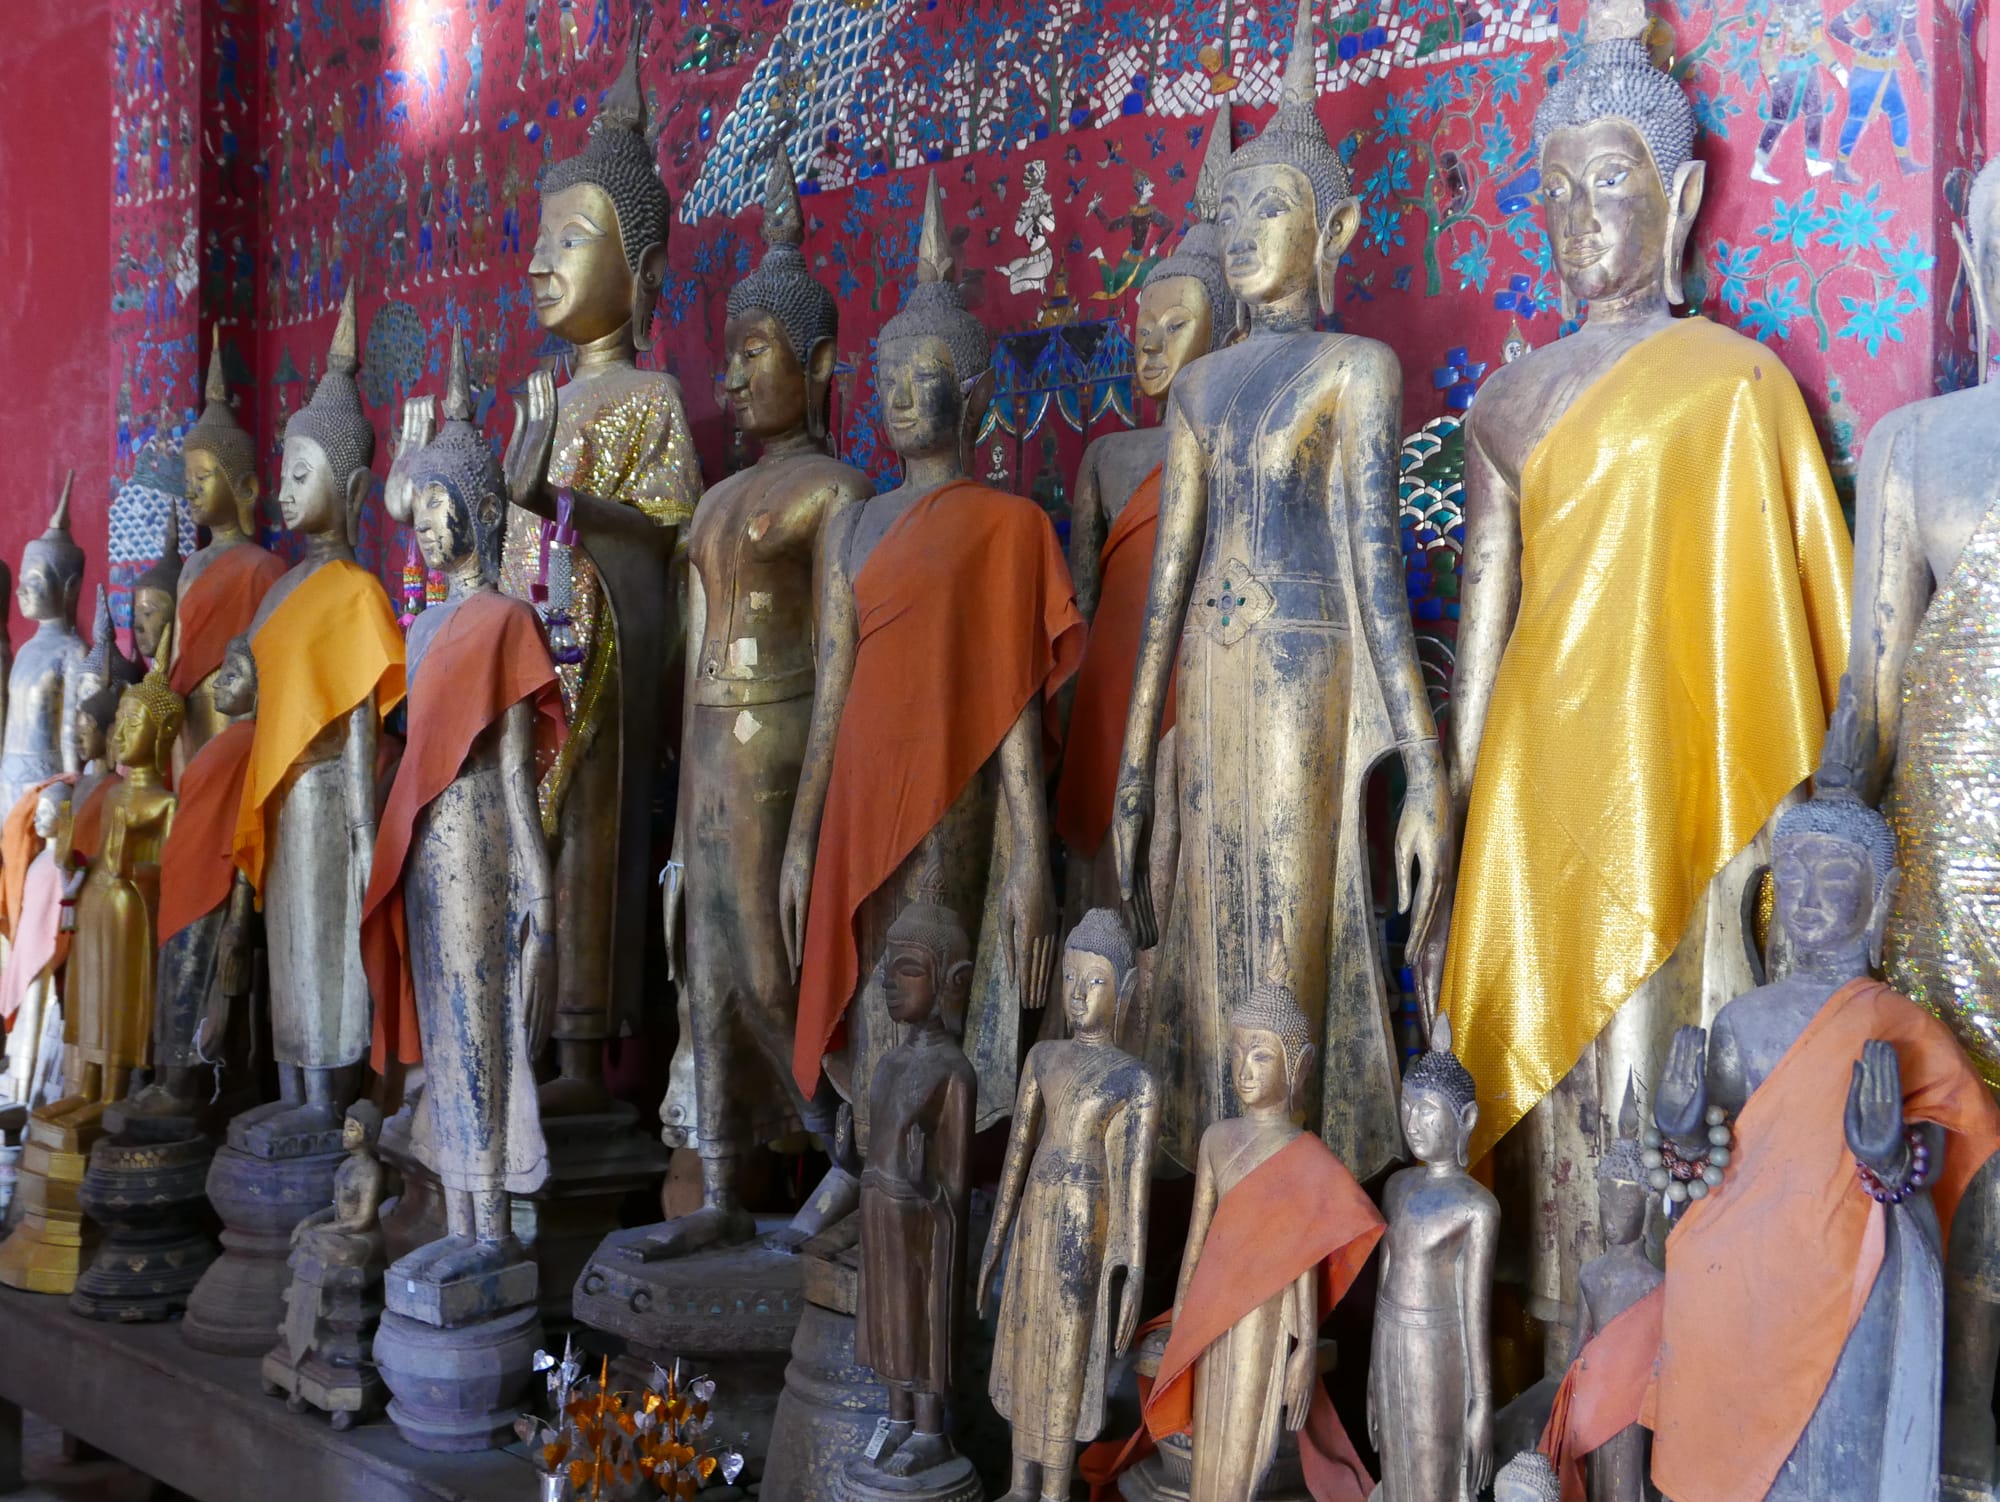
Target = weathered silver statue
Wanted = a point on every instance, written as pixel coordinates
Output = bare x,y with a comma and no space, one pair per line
41,684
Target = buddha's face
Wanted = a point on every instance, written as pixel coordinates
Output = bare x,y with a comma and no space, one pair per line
581,281
444,528
1606,210
765,383
209,494
234,686
1257,1068
1090,991
353,1134
39,594
1270,234
1175,325
88,734
921,400
132,734
1435,1131
1826,891
152,613
48,816
1621,1211
911,974
307,499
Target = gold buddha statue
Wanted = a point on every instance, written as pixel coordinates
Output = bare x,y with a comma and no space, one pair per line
41,684
751,632
1648,652
611,457
1278,546
223,581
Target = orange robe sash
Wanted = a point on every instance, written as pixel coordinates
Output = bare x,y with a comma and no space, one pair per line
218,607
967,593
87,831
1604,1391
1096,740
330,644
1298,1209
197,863
1768,1275
483,661
19,845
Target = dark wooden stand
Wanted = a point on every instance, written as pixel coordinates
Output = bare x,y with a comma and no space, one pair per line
202,1424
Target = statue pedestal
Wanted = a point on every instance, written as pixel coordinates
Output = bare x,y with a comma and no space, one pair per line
240,1301
953,1481
458,1386
51,1240
730,1311
1163,1476
325,1357
146,1189
830,1403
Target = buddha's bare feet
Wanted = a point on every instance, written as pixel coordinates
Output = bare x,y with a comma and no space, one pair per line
917,1454
308,1119
709,1226
837,1197
467,1258
57,1112
420,1263
258,1115
156,1101
567,1095
895,1434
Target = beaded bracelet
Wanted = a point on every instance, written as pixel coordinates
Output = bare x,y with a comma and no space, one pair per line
1679,1178
1915,1179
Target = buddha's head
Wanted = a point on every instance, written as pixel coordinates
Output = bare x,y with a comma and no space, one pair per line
933,360
51,809
1186,308
234,686
1440,1103
147,724
1270,1044
781,328
156,590
460,491
1622,1195
600,258
362,1128
51,582
1979,249
329,444
1099,974
219,460
1529,1477
1620,186
927,961
1287,211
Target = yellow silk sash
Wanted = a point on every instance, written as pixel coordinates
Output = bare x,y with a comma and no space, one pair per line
1682,631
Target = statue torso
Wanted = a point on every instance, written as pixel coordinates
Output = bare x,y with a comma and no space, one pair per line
1119,461
1949,448
1238,1146
135,827
908,1099
35,692
1431,1217
1083,1086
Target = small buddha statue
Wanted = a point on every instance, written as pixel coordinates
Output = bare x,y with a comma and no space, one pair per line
1185,310
751,633
99,685
156,591
1074,1193
1814,1142
1430,1380
329,666
41,683
458,925
1277,583
1606,803
1240,1371
348,1232
610,459
37,946
919,584
910,1301
225,579
1528,1477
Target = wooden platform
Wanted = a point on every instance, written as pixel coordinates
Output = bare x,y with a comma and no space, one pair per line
203,1425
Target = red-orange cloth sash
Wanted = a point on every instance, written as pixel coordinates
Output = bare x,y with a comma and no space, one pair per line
1096,740
1298,1209
218,607
1604,1391
19,845
966,613
330,644
40,945
1767,1276
483,661
197,863
87,832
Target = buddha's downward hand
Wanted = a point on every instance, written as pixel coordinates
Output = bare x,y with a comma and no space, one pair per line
1131,829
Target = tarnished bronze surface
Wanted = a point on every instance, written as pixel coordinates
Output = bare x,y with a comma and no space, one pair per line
42,682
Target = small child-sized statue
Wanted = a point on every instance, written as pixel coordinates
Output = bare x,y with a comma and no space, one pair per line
1280,1230
27,979
1088,1115
1430,1382
910,1303
323,1358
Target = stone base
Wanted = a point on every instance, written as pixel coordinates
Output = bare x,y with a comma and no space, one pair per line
826,1413
149,1200
240,1302
458,1390
953,1481
325,1358
51,1242
1163,1476
462,1301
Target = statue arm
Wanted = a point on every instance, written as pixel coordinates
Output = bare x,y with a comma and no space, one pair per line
951,1151
1021,1138
1892,585
1028,900
1087,529
1205,1198
1134,1133
1481,1240
232,967
674,879
1490,597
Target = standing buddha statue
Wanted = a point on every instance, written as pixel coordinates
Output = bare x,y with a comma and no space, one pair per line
329,666
1185,310
224,581
1647,654
947,622
1278,548
755,547
609,459
37,946
41,684
156,590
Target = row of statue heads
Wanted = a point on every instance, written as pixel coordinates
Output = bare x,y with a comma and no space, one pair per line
861,911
